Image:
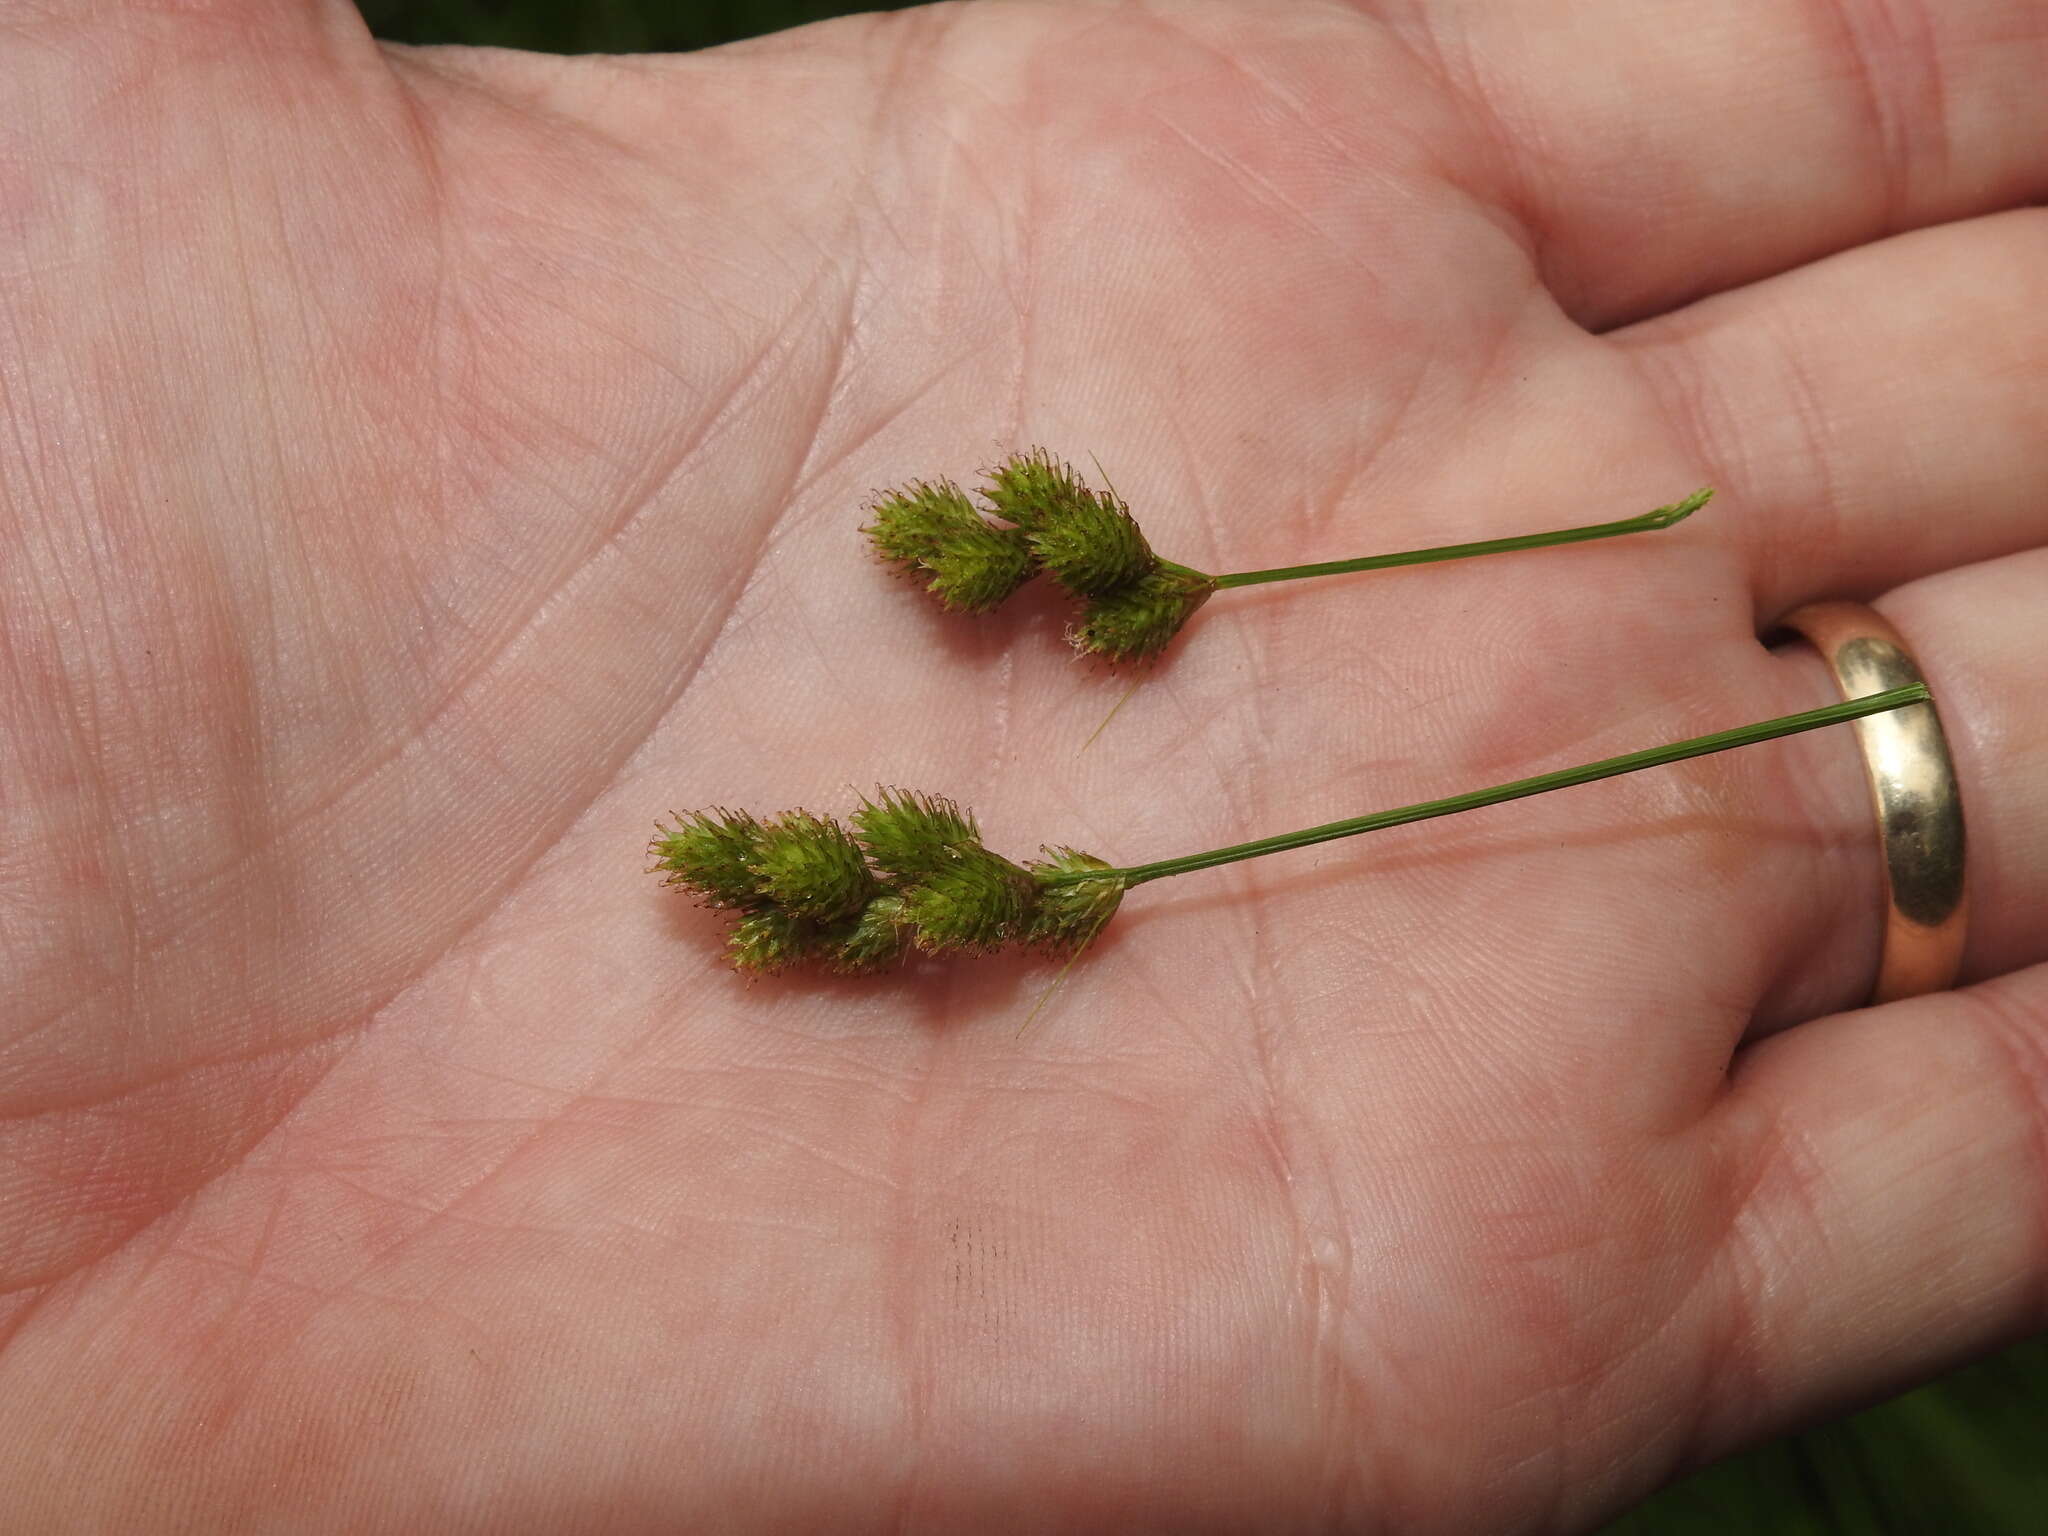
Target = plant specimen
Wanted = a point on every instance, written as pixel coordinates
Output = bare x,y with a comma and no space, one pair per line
913,875
1040,516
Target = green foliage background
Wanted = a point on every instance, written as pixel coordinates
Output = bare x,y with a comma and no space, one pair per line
1967,1456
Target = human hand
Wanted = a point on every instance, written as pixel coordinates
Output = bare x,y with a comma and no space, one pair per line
422,469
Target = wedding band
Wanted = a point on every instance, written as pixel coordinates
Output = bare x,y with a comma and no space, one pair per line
1913,787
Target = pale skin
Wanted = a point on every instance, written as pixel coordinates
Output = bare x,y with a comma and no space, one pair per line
421,470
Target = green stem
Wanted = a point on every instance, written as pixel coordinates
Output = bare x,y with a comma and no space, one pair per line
1606,768
1663,517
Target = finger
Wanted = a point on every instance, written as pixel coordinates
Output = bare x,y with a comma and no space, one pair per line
1879,416
232,20
109,102
1979,635
1817,922
1658,155
1884,1190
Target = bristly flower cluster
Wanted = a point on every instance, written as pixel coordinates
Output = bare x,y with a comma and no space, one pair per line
911,874
1133,602
934,530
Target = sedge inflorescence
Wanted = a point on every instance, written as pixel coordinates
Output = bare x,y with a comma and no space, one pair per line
910,875
1037,516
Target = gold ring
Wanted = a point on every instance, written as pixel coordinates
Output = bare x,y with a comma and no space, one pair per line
1913,786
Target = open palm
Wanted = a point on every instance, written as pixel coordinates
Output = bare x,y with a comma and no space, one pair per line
421,470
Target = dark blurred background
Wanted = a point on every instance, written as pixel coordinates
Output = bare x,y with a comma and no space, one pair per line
1967,1456
595,26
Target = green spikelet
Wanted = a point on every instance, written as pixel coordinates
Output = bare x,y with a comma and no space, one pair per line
711,852
976,900
811,867
974,569
909,523
877,940
1069,915
909,835
932,530
1093,547
771,940
1136,623
1027,488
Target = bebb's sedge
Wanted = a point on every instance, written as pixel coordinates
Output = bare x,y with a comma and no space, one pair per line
912,874
1039,516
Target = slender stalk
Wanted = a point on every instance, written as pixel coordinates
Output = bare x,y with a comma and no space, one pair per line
1662,517
1542,783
